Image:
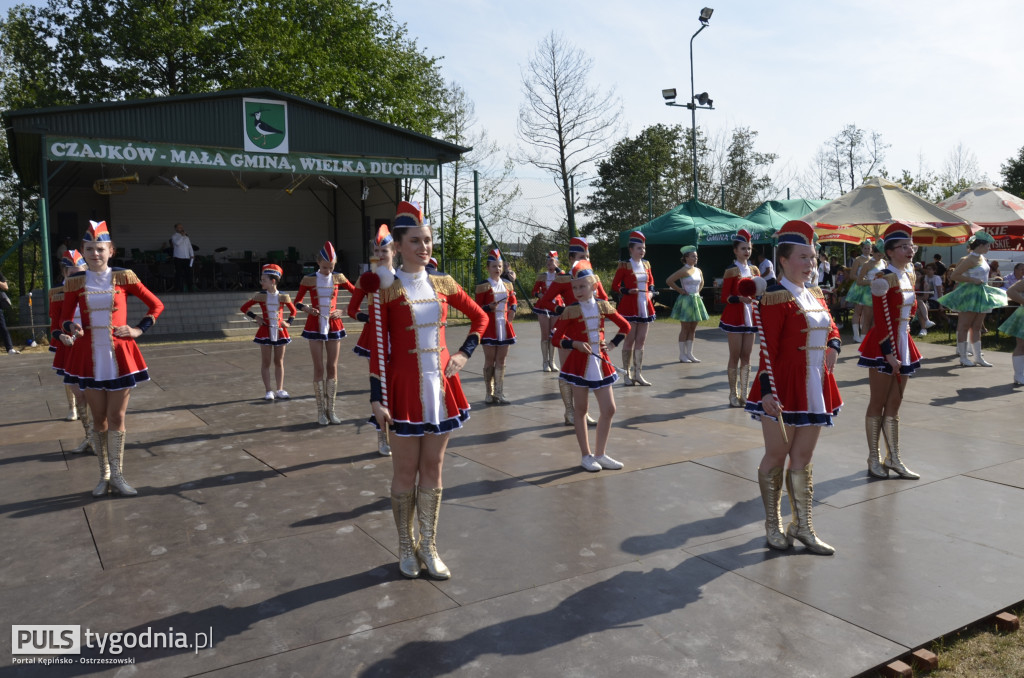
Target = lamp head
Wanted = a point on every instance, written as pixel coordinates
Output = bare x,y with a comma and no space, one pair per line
705,15
668,94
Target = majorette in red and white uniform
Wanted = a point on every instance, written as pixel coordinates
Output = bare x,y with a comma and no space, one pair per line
273,329
562,285
498,299
100,360
737,317
362,347
323,296
70,259
414,313
635,283
544,280
893,306
797,328
584,321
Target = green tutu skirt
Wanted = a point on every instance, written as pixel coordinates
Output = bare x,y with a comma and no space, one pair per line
689,308
859,294
974,298
1014,325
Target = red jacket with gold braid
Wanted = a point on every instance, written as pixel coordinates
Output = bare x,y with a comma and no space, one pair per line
263,332
737,316
572,327
311,330
891,301
625,284
562,287
412,393
484,298
540,286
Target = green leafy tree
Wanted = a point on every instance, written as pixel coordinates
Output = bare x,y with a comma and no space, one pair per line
745,174
1012,172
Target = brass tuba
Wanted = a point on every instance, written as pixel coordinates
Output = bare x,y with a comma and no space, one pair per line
114,186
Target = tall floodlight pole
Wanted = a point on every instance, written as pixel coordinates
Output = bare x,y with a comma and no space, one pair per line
696,101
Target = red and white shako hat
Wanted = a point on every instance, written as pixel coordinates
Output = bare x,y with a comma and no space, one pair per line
327,252
383,237
579,245
493,255
742,235
272,270
897,231
637,238
553,254
72,258
582,269
432,263
408,215
797,232
97,232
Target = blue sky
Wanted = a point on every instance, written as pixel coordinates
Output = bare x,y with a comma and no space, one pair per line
926,75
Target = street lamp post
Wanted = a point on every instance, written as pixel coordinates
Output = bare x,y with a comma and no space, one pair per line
696,101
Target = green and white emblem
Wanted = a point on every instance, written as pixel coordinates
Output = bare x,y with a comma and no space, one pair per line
266,125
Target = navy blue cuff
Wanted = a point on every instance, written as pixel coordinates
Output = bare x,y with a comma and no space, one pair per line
513,308
67,327
766,384
251,314
56,334
566,343
301,306
363,317
469,345
145,323
835,344
886,347
290,319
617,339
734,299
375,390
486,307
559,310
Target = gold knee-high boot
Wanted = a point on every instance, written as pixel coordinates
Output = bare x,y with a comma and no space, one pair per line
771,494
627,367
800,485
744,384
99,444
73,412
499,385
638,365
489,385
545,356
734,399
891,429
321,413
382,444
84,416
428,506
330,396
565,390
116,453
403,506
873,428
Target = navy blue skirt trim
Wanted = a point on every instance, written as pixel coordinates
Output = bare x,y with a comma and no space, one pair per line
592,385
638,319
53,349
540,311
360,351
882,366
330,336
268,342
756,411
495,342
119,384
737,329
408,429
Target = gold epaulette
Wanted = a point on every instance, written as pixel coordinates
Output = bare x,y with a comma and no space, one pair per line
308,280
572,312
340,279
260,297
75,282
542,277
483,287
731,272
56,294
777,297
509,287
395,291
625,265
125,276
605,307
445,284
284,298
816,292
891,278
563,278
912,276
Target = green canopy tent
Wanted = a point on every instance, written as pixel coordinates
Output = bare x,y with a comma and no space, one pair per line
775,213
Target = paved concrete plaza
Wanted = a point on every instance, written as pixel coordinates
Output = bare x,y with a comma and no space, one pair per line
276,534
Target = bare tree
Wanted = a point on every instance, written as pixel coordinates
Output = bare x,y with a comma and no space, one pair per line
565,122
854,154
959,171
816,181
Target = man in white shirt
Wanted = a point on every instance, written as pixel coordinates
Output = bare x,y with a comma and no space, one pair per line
183,256
823,269
1018,273
764,265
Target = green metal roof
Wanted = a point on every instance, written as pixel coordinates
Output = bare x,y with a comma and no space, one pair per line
213,120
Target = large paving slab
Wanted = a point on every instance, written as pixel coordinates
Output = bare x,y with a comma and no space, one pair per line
277,533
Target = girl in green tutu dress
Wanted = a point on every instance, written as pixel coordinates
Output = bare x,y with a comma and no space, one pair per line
859,295
1014,326
689,307
973,298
